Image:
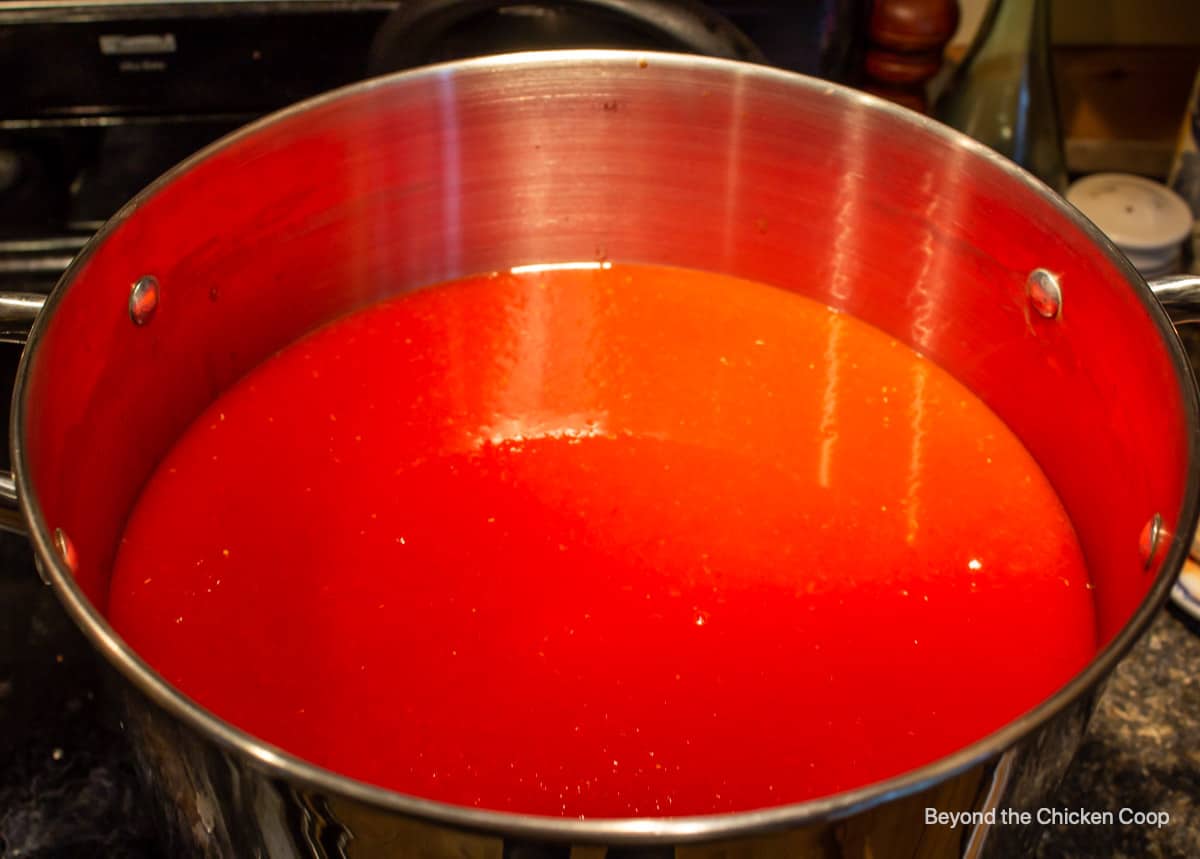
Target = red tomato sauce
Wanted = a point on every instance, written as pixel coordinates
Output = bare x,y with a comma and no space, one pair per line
627,541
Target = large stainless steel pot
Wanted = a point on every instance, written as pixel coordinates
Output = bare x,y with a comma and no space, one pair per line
485,164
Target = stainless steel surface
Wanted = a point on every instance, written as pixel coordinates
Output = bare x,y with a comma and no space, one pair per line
57,243
593,155
1180,296
40,265
109,121
991,803
37,262
1045,293
18,310
10,508
143,299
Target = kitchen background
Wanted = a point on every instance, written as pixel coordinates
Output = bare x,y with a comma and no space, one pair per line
1123,72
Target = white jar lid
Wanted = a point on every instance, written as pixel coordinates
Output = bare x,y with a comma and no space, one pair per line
1137,214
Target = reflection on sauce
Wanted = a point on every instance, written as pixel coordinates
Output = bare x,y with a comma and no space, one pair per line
627,541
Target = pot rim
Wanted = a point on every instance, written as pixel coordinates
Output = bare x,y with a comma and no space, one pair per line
276,762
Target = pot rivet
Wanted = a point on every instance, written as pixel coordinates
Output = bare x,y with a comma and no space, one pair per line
66,550
1044,292
1152,540
143,300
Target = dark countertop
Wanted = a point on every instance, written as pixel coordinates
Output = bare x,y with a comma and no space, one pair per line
67,789
1142,751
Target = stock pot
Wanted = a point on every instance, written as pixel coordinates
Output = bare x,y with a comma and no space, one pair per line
591,155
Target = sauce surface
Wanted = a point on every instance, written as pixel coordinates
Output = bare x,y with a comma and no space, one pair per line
612,542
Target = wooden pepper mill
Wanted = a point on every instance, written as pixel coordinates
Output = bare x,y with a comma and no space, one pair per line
905,41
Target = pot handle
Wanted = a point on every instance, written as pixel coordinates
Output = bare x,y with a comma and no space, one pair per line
18,310
1180,297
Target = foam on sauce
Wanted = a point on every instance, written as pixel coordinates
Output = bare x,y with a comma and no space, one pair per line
627,541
